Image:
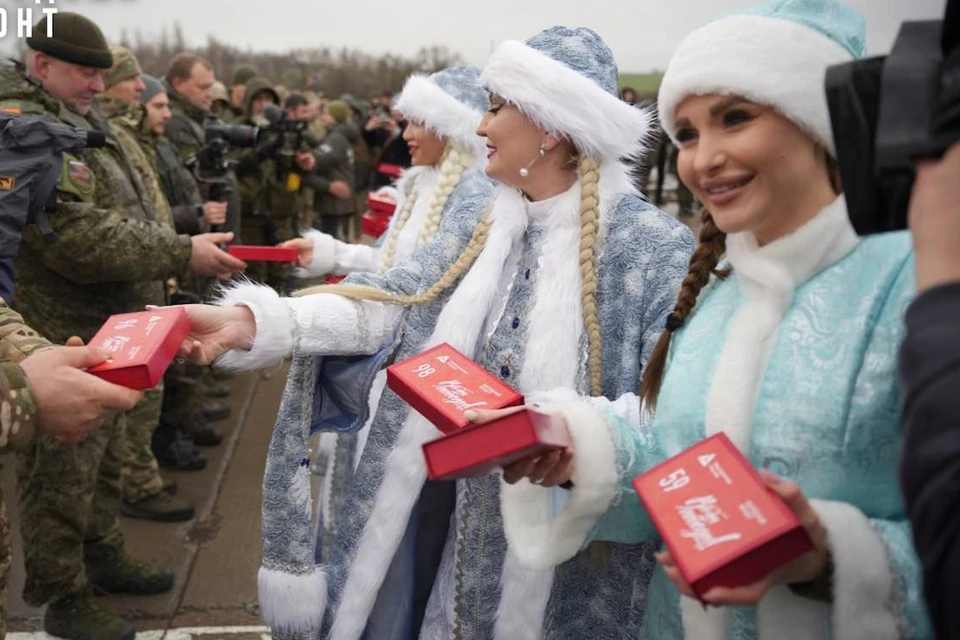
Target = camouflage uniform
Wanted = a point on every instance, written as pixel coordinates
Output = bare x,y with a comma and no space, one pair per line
141,473
17,424
270,206
110,255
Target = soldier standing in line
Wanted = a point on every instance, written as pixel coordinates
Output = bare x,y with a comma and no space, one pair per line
238,92
145,495
104,254
333,179
46,392
182,422
270,192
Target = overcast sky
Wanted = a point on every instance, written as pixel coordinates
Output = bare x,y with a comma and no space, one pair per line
642,33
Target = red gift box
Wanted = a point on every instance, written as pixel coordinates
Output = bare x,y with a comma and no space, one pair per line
392,170
381,203
442,384
374,224
250,253
478,450
141,346
722,525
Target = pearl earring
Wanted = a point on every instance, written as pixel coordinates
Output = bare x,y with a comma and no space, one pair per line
525,172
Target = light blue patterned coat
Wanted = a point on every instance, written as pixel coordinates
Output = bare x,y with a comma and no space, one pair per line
827,417
643,258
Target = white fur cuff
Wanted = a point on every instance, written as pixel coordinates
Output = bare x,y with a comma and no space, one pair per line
324,259
540,541
292,604
275,337
862,587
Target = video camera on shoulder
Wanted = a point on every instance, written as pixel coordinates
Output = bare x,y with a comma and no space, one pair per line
888,112
211,164
31,162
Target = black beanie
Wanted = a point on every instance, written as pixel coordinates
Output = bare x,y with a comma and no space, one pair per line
76,39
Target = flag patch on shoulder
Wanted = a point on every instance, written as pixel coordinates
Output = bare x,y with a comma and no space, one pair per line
79,171
14,111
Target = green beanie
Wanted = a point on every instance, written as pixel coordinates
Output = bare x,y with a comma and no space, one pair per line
242,74
125,66
75,39
339,110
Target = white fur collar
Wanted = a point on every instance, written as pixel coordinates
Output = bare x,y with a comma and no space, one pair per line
769,276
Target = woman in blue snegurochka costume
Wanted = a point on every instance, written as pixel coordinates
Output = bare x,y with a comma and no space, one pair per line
563,278
567,278
444,111
788,346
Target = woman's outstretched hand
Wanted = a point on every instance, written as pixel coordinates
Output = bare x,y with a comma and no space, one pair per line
304,247
550,470
216,330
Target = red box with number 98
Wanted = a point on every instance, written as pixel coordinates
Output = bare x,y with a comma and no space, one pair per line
722,525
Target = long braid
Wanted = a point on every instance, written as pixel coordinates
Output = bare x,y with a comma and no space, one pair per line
455,161
589,228
703,264
391,246
450,276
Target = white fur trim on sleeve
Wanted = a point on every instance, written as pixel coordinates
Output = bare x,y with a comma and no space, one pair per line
292,604
767,60
275,321
324,259
863,586
423,101
566,102
541,541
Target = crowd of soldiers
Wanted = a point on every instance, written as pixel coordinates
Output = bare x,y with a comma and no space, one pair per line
137,223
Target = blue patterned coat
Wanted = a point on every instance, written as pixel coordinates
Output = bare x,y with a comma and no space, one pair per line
643,258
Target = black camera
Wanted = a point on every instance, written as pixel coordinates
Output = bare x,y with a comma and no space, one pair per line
211,164
888,112
31,161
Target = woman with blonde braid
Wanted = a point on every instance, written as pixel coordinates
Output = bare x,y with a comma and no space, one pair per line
564,278
443,111
788,346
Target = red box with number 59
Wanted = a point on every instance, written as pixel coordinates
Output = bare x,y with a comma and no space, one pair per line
442,384
721,523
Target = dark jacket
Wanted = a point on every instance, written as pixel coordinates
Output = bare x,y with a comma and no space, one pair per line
185,131
335,161
180,188
930,472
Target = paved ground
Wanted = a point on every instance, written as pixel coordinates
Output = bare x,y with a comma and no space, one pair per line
215,556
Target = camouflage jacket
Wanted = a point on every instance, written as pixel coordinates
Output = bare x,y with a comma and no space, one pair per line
109,254
132,129
18,410
180,188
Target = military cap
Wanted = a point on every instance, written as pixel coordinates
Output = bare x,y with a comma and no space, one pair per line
153,87
219,92
76,39
242,74
125,66
339,110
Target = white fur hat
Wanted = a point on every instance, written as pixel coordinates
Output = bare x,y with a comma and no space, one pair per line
775,53
565,80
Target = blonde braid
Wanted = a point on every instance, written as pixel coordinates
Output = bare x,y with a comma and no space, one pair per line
589,229
390,248
450,276
455,161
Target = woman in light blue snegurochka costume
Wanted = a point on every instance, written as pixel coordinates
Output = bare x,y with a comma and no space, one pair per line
788,346
443,111
564,278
